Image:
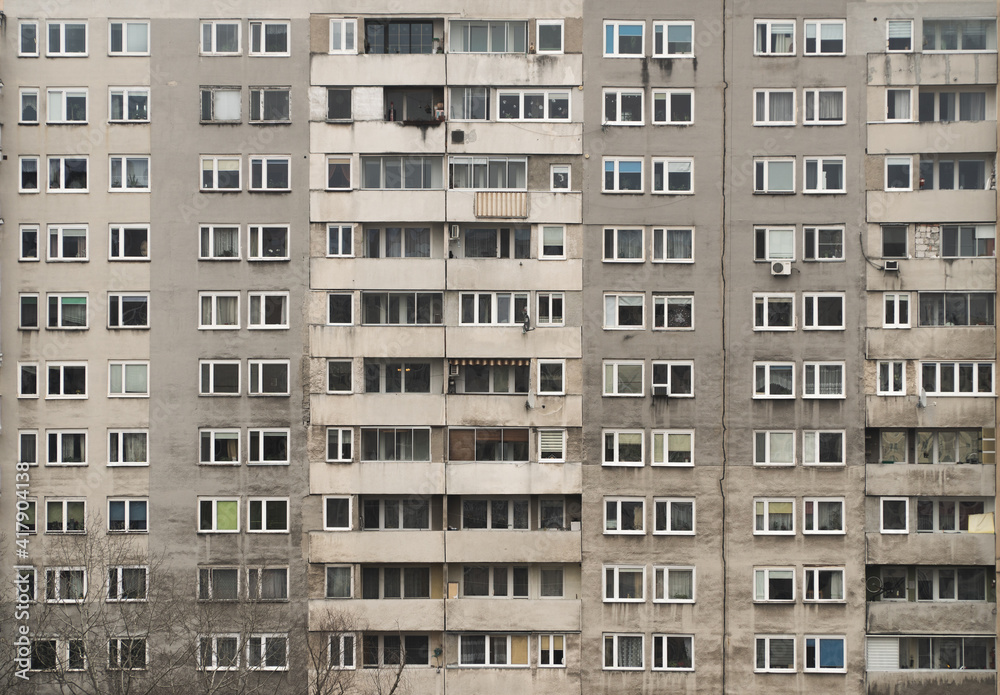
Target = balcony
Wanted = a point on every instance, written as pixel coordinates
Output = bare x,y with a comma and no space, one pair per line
930,480
903,411
505,274
929,274
378,478
551,681
513,342
929,138
514,546
379,70
514,479
545,411
377,136
530,615
389,615
542,207
376,341
374,205
907,69
516,69
931,206
945,548
531,137
398,409
931,682
915,617
971,342
424,547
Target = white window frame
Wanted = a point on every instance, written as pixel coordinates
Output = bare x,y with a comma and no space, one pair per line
814,571
539,23
617,529
63,503
615,588
813,298
549,300
24,368
260,298
340,160
119,436
767,367
55,458
127,504
765,94
614,233
61,366
767,502
258,100
615,26
764,574
345,645
820,162
766,668
255,242
618,93
329,306
123,184
344,23
615,434
123,366
212,324
126,93
660,239
25,300
58,96
21,37
339,457
62,52
260,433
345,233
889,100
61,160
213,650
206,233
263,643
547,445
124,27
668,97
811,96
665,164
895,160
55,322
769,25
58,233
55,573
670,364
611,323
906,515
562,387
213,522
766,162
663,28
816,639
256,373
669,503
350,364
665,436
350,513
116,302
666,300
265,162
547,650
27,443
811,243
210,366
941,366
613,389
817,26
556,172
542,246
260,26
211,436
611,640
547,95
212,48
22,161
811,386
812,530
265,503
889,367
665,571
895,300
811,440
214,162
765,299
888,35
117,234
766,436
771,252
616,163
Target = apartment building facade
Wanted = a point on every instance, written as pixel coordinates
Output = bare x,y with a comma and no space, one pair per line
544,346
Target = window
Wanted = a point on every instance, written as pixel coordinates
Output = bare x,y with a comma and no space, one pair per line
337,514
673,176
623,448
673,245
267,515
67,243
939,653
551,651
67,447
52,654
269,38
821,515
66,380
67,106
891,378
220,105
128,447
27,38
338,104
267,243
493,650
823,380
774,243
824,584
219,37
550,309
948,446
623,652
340,309
899,173
673,652
673,39
218,583
28,318
774,176
342,35
774,517
897,310
957,378
673,379
893,446
775,654
774,448
396,444
823,243
65,39
268,310
673,448
623,379
774,107
128,516
552,243
65,585
774,584
551,377
551,446
951,583
127,583
673,312
415,242
823,311
488,37
128,379
774,37
269,377
393,513
532,105
128,310
960,35
395,37
395,582
479,173
899,104
824,37
128,104
774,312
622,175
219,310
899,35
67,311
219,652
495,514
824,175
968,241
624,584
338,174
549,35
383,376
956,308
623,39
342,651
268,446
774,380
391,172
947,106
270,173
65,516
29,175
67,174
470,104
624,515
220,173
894,241
894,514
673,516
947,515
823,448
623,245
267,652
559,177
128,38
824,107
340,241
339,581
624,311
623,107
493,308
219,243
220,377
824,654
128,243
27,448
218,515
488,444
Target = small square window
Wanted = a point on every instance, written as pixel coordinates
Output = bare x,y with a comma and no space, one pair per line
899,35
128,173
774,584
267,515
824,107
553,242
338,104
894,241
774,37
339,374
338,174
894,515
128,104
220,173
551,377
269,378
622,175
824,175
218,515
899,173
337,514
550,36
339,444
559,177
128,243
128,38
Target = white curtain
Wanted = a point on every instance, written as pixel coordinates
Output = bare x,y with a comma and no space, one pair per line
681,584
900,105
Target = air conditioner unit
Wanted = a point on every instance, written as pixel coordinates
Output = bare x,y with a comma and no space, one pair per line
781,268
457,137
453,370
891,266
454,232
660,390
